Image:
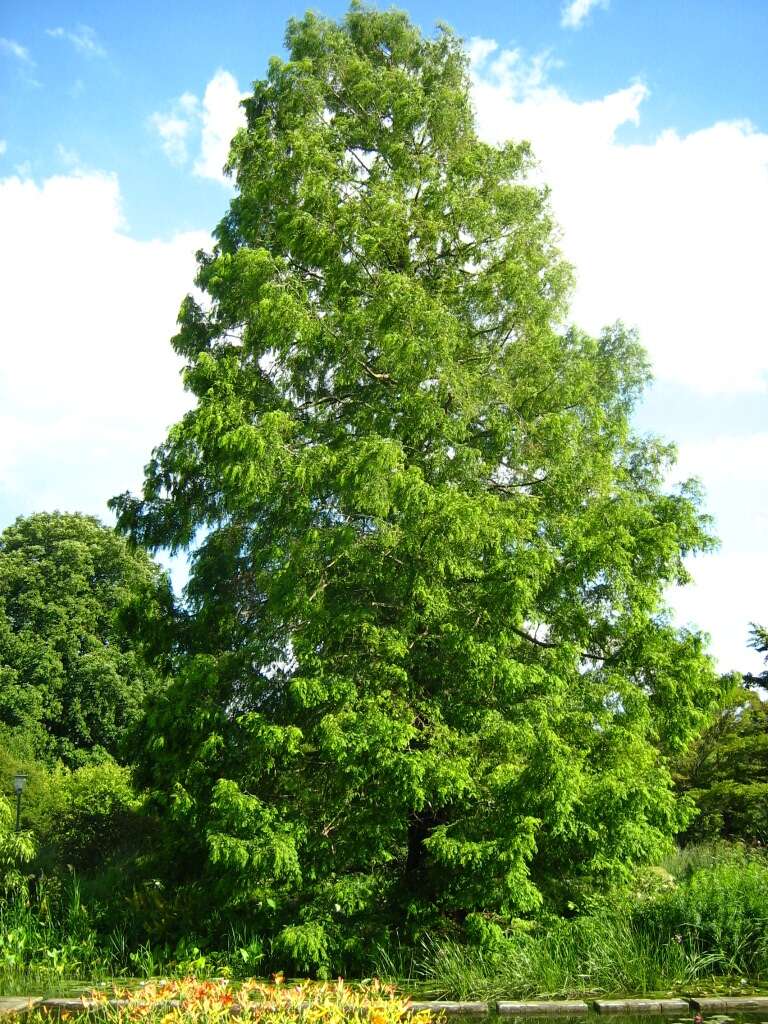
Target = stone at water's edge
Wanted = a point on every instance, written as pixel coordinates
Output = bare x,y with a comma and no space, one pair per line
18,1004
543,1006
72,1005
446,1006
744,1003
641,1005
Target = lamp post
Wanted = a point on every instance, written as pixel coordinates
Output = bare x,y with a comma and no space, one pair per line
19,782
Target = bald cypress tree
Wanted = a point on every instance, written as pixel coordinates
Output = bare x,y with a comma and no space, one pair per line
426,670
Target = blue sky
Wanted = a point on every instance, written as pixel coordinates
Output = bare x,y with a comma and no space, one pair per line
650,119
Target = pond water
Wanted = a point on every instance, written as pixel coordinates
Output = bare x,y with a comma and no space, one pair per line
732,1017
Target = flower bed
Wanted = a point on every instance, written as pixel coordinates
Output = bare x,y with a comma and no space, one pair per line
190,1001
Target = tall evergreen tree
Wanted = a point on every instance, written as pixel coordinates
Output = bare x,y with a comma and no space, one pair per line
427,670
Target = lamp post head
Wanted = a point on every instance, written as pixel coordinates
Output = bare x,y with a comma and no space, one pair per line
19,782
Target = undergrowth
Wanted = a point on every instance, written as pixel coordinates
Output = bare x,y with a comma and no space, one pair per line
695,923
700,919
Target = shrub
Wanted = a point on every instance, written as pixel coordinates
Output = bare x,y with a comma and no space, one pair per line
16,850
89,815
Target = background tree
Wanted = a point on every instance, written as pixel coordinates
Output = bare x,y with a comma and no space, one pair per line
71,679
758,640
725,770
427,671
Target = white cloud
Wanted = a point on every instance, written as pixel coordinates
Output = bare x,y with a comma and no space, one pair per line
667,235
13,49
90,383
222,116
83,38
574,14
724,458
727,594
173,130
3,147
729,586
210,124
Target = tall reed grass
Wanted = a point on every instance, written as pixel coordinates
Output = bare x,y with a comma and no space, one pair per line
708,920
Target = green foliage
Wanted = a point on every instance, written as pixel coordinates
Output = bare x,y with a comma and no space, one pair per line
71,679
697,927
90,815
725,771
47,937
54,938
16,850
305,945
721,910
425,670
87,818
682,933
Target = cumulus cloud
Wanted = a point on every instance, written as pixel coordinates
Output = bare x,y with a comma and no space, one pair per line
11,48
208,124
83,38
89,382
175,127
574,14
666,235
173,133
222,116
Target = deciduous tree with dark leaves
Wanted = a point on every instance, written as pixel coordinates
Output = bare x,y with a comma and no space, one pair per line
725,769
72,679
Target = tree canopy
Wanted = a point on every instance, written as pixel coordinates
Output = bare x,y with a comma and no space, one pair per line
725,771
71,679
425,670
